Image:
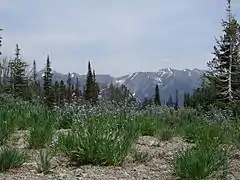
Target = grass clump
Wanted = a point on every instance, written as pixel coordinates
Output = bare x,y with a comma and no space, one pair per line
199,162
40,134
140,157
6,125
99,141
44,161
11,158
147,126
165,134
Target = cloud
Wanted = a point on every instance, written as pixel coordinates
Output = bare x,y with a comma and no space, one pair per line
117,36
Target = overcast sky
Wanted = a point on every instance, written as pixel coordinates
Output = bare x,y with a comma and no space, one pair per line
118,36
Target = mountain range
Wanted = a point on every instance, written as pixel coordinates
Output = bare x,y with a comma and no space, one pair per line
142,84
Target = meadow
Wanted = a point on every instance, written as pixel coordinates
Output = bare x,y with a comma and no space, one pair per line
116,141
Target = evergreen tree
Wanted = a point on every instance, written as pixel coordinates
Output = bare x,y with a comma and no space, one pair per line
36,88
69,93
89,83
47,84
18,78
176,105
170,101
146,102
57,92
120,94
62,92
224,71
77,89
96,89
157,100
91,89
185,100
34,72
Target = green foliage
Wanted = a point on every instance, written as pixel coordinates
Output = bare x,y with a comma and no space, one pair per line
147,126
18,78
11,158
140,157
120,94
199,162
62,92
44,161
91,89
6,125
40,133
47,85
165,134
204,133
157,99
99,141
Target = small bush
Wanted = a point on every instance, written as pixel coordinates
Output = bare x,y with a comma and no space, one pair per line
99,141
11,158
199,162
44,161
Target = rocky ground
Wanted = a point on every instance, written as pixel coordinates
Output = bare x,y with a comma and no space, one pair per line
156,166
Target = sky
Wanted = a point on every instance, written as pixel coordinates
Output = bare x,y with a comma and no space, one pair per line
118,36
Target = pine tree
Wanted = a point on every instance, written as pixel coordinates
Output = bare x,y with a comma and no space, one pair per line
176,105
36,88
157,100
77,89
185,104
96,88
62,92
47,84
170,101
146,102
224,68
69,93
34,72
18,78
57,92
90,90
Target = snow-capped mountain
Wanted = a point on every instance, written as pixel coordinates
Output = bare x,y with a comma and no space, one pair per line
142,84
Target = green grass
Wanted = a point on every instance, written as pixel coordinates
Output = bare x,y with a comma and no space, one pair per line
140,157
99,141
147,126
199,162
40,134
104,134
165,133
44,161
11,158
6,127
